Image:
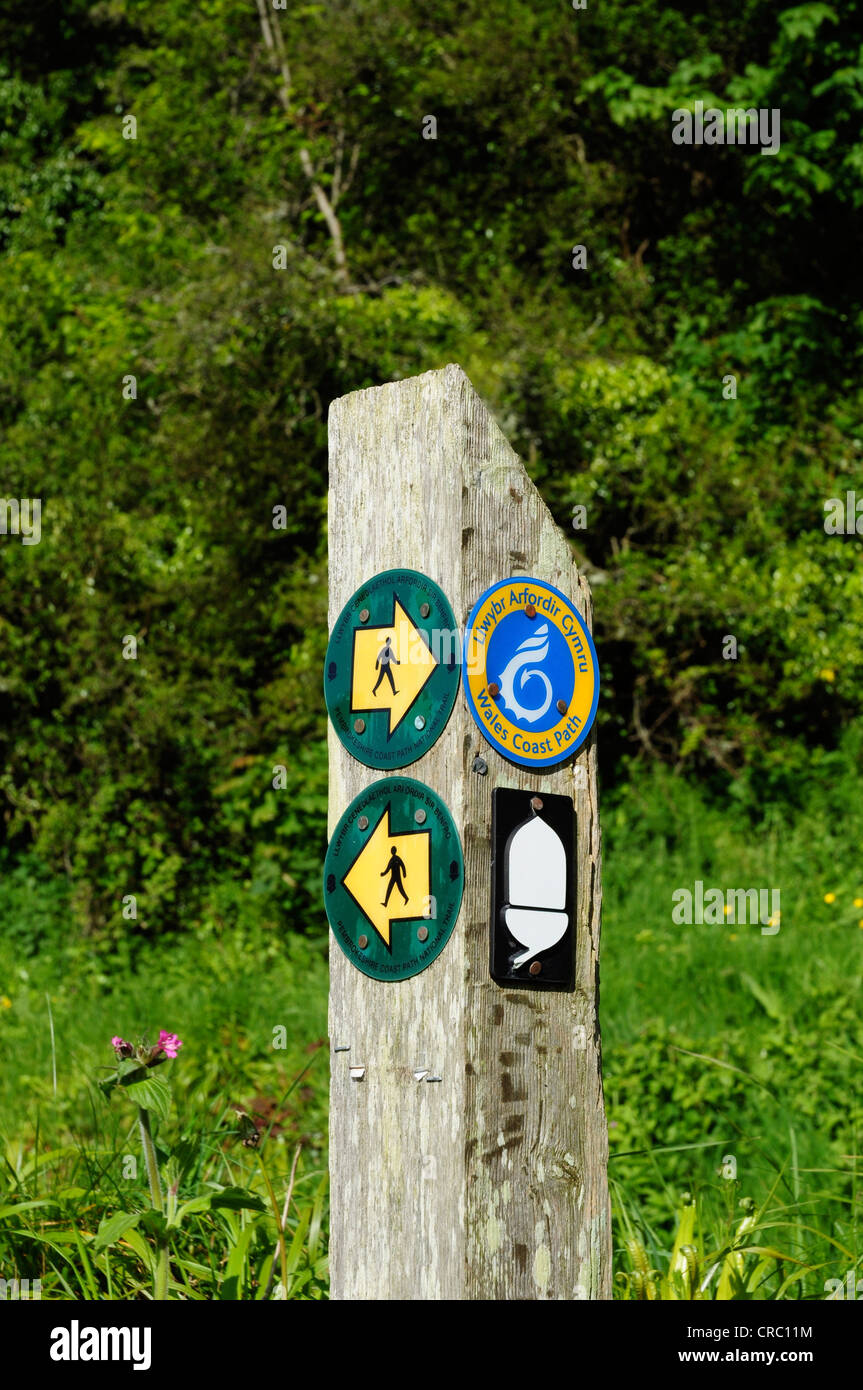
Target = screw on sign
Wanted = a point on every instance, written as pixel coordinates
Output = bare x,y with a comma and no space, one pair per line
391,672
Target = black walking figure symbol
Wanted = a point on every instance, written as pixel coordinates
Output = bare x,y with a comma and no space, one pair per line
386,657
395,868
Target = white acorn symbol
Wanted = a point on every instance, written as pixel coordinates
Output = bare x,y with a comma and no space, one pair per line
535,877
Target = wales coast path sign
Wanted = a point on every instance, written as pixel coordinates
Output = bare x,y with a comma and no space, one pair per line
531,676
468,1143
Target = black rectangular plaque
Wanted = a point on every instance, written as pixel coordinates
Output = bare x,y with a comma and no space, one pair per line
532,889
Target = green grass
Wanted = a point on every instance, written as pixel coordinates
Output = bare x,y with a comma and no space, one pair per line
731,1065
68,1152
727,1051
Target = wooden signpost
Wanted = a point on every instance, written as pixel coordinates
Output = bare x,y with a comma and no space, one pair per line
468,1142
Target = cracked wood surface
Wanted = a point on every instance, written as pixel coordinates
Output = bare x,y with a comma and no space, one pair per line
492,1183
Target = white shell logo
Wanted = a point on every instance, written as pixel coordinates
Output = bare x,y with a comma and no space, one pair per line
533,648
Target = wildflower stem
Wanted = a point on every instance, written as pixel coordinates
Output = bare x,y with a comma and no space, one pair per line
160,1282
150,1159
279,1223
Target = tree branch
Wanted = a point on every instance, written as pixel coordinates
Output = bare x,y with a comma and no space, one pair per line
275,46
328,213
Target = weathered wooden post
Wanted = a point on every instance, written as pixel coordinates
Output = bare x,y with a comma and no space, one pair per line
489,1182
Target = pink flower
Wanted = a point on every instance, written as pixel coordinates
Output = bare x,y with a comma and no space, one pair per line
149,1055
169,1043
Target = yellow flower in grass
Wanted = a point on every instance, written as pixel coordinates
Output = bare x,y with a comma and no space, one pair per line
830,897
858,902
827,674
5,1001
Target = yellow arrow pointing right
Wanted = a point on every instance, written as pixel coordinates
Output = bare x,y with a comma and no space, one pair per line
412,666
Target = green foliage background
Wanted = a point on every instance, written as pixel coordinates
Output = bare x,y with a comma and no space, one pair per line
154,257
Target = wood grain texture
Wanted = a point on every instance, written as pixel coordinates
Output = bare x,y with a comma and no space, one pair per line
491,1184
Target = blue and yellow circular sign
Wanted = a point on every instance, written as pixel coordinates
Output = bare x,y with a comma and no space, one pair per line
531,676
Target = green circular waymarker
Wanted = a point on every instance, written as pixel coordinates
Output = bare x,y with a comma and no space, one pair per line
392,669
393,879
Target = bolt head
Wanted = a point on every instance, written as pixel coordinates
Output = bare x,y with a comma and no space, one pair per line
419,816
363,942
422,933
536,803
425,609
363,823
419,722
562,706
535,967
359,726
530,611
364,615
493,689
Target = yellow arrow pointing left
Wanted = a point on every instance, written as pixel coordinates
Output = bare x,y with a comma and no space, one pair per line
391,666
390,880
